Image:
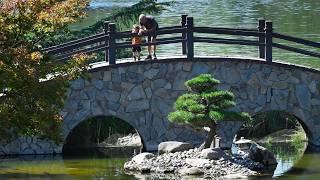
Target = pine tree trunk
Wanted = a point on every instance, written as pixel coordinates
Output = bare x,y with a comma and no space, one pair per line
209,138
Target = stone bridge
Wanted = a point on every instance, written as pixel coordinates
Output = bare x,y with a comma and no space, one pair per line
143,93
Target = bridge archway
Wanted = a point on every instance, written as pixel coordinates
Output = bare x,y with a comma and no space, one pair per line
144,92
101,131
279,124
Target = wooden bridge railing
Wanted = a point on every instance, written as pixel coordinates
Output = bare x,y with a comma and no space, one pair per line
109,40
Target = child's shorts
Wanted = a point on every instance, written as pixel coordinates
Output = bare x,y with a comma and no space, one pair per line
136,49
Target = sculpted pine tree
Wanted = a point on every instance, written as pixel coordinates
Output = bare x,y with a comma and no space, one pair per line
205,106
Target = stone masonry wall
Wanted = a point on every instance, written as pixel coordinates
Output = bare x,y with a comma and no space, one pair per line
29,145
143,93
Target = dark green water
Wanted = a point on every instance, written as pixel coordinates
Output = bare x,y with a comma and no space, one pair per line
92,166
57,167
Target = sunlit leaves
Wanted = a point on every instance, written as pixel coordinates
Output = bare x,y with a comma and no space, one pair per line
32,85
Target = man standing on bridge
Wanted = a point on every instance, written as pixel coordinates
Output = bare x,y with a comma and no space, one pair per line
150,25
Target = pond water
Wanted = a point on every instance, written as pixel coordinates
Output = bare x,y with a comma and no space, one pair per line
96,166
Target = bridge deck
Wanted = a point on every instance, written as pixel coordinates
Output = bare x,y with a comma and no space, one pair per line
127,60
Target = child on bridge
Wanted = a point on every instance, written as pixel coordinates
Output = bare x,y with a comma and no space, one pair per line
136,41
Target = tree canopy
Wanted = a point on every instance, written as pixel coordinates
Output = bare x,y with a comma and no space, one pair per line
32,85
204,106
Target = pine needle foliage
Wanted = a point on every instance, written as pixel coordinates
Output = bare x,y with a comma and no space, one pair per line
204,105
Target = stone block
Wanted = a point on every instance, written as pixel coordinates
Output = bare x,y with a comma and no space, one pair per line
136,93
150,74
107,76
304,97
77,84
136,106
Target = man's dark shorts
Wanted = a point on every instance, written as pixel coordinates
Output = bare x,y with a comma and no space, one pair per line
136,49
154,36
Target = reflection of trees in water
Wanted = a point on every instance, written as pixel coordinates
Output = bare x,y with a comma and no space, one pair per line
287,151
270,122
287,155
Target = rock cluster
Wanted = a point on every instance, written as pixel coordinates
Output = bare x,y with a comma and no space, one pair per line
209,163
129,140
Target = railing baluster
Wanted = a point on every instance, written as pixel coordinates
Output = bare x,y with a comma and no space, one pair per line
184,35
268,40
112,43
190,40
261,27
105,29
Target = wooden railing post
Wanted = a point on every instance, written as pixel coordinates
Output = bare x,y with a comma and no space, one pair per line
105,29
184,34
112,43
268,41
190,40
261,27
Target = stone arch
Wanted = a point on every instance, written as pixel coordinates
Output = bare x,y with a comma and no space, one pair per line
67,133
300,121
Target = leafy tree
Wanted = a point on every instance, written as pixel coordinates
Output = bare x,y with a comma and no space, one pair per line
205,106
32,85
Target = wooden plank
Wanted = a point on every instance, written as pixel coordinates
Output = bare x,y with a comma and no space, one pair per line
129,45
227,31
74,41
296,40
227,41
94,49
297,50
122,35
76,45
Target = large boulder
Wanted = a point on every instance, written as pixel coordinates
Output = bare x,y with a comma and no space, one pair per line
212,153
140,162
143,157
260,154
173,146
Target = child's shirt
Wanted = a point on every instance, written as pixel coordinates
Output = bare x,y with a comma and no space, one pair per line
136,40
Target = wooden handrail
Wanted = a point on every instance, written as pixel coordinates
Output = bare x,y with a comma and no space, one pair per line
84,51
227,41
226,31
74,42
158,42
297,50
76,45
296,40
184,34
